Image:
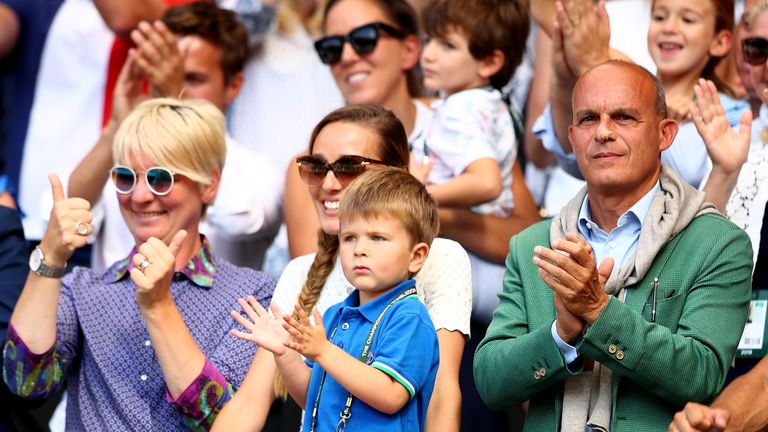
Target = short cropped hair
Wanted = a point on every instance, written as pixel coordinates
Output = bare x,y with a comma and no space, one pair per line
660,102
392,192
185,136
220,27
488,25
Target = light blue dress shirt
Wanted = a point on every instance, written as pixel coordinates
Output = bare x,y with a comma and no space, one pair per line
619,244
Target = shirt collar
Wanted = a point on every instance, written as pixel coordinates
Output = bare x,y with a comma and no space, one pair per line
372,309
639,211
201,269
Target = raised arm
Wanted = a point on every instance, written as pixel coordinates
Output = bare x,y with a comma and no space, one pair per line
727,148
581,40
488,236
34,317
89,176
479,183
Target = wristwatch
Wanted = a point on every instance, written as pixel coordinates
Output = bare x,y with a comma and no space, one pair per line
38,265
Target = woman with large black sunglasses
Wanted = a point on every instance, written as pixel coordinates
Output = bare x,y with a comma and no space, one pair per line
372,49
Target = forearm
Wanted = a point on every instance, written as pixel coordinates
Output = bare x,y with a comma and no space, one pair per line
543,12
746,400
370,385
479,182
537,100
295,375
34,316
181,360
562,113
249,407
444,412
719,187
88,179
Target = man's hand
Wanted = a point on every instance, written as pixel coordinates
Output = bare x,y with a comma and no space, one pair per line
697,417
128,90
159,58
307,339
153,268
585,32
569,269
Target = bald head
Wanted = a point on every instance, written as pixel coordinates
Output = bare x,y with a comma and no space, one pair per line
635,75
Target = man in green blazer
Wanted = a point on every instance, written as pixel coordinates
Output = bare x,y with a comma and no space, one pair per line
624,344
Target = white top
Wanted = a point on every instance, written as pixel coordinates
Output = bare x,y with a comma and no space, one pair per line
471,125
65,120
286,91
746,206
444,285
240,224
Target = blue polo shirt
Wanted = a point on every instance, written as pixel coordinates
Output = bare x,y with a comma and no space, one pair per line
405,348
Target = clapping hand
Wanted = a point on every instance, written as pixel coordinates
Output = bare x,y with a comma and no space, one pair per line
307,339
262,329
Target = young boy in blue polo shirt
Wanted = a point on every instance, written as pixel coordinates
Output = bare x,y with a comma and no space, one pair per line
371,360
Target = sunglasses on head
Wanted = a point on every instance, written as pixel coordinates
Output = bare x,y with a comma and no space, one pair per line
755,50
159,180
313,168
363,40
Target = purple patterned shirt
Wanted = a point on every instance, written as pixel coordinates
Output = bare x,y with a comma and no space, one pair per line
103,348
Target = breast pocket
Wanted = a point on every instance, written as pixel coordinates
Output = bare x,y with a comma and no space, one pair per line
669,308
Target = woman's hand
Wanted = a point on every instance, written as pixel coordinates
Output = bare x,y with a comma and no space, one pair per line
69,226
263,329
307,339
727,148
153,268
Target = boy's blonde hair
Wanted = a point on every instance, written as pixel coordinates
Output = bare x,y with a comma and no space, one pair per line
185,136
392,192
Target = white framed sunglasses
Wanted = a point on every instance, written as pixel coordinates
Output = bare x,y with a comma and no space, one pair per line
159,180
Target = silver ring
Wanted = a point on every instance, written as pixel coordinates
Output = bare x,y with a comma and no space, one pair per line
143,265
81,228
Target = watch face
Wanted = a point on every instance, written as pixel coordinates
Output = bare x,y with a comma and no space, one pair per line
35,260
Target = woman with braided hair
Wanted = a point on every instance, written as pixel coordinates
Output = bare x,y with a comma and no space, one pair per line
343,145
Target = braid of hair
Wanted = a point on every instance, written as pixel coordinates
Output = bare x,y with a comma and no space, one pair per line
325,258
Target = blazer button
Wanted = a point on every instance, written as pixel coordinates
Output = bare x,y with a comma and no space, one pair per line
619,355
543,372
536,375
612,349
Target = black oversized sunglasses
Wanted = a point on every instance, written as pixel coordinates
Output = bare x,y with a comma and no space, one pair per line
313,168
363,40
755,50
159,179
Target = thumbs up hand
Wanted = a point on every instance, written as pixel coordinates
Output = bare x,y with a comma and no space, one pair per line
69,226
153,268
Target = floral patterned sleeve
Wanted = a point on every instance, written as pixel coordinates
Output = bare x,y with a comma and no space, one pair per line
30,375
201,402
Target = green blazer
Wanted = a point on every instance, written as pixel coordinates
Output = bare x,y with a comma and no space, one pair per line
704,276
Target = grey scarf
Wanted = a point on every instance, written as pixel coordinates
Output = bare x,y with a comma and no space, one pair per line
587,398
